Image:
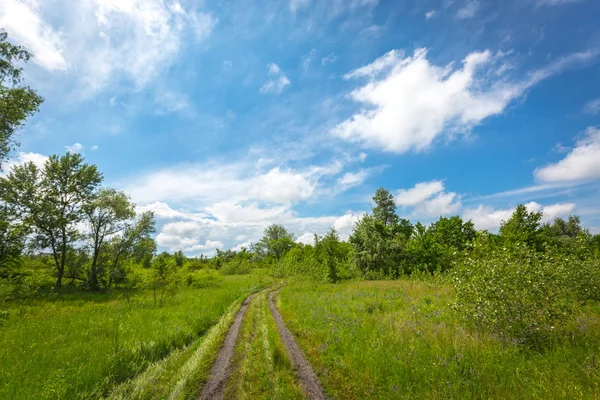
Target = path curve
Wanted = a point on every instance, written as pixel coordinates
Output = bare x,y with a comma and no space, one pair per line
221,369
308,379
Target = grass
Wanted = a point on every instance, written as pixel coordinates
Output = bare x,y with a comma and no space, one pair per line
262,369
401,339
83,346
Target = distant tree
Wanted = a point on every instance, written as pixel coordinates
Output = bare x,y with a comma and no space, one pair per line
330,252
17,101
51,201
163,278
453,232
276,241
179,258
522,227
385,208
107,214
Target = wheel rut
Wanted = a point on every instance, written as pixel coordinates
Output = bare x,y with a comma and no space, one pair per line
309,381
222,368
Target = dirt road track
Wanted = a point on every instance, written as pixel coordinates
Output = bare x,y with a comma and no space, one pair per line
221,369
308,379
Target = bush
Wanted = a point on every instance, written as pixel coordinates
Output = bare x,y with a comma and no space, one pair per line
517,293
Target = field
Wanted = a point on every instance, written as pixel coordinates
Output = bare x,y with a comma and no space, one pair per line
400,339
81,345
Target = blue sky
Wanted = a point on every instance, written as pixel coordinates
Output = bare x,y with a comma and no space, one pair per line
224,117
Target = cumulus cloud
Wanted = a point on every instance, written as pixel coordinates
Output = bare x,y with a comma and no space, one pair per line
408,102
307,238
428,199
75,148
100,41
486,217
581,163
592,106
38,159
277,81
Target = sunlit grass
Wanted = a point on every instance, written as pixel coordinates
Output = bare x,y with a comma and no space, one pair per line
390,340
262,369
74,347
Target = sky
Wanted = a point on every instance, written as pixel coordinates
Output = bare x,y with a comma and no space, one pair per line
223,117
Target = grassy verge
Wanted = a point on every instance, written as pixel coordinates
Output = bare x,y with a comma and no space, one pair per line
390,340
72,347
262,369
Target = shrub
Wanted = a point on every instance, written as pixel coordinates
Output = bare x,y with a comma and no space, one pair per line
516,293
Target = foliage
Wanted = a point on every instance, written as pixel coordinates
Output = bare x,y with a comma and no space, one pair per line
51,201
17,101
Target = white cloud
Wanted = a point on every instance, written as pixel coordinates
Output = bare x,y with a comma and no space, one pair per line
408,103
329,59
94,147
23,21
468,10
486,217
307,59
430,14
344,225
38,159
307,238
582,163
351,179
418,194
592,106
277,82
102,41
75,148
428,200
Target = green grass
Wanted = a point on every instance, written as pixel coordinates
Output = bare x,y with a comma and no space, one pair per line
390,340
82,346
262,369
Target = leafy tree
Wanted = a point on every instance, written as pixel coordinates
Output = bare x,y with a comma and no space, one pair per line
51,201
12,242
107,214
522,227
330,253
164,277
179,258
17,101
385,208
135,243
276,241
453,232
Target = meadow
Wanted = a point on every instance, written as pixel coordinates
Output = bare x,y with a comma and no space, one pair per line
81,345
402,339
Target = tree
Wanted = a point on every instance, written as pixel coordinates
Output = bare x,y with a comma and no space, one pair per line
51,201
136,243
385,208
107,214
522,227
163,277
12,242
17,102
276,241
453,232
179,258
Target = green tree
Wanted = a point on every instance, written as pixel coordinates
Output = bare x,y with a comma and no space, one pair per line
522,227
385,208
17,101
51,202
107,214
179,258
164,277
276,241
135,243
453,232
12,242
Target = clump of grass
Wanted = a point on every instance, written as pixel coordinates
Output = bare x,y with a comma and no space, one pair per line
416,347
79,346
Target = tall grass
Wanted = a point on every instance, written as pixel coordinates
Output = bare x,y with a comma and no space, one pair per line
82,346
391,340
